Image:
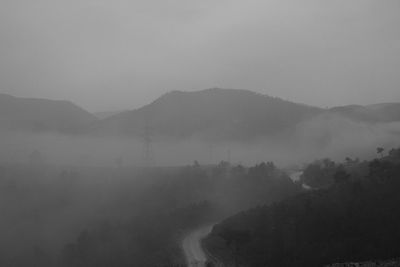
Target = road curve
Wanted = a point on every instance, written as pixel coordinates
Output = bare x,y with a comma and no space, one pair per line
194,253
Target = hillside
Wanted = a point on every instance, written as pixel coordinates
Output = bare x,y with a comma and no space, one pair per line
40,115
384,112
106,114
211,114
357,219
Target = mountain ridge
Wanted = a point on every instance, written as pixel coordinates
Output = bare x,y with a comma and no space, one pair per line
41,115
212,113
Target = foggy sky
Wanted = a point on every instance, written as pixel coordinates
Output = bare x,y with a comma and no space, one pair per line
122,54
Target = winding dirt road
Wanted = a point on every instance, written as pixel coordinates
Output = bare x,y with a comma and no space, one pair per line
194,253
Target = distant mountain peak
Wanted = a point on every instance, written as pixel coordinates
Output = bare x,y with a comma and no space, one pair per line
214,113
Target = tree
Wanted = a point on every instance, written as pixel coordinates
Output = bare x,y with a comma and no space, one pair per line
236,239
380,150
341,176
394,153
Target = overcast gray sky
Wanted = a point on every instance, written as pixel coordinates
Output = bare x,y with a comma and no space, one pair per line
118,54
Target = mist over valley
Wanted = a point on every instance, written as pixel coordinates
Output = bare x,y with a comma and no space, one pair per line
208,133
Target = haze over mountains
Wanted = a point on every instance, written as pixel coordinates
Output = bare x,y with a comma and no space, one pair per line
256,126
42,115
220,114
384,112
214,113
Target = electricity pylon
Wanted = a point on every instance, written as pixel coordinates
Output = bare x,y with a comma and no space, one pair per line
148,153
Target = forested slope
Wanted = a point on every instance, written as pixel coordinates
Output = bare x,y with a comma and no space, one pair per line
352,220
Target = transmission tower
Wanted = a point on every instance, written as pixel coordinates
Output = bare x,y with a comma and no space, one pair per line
148,153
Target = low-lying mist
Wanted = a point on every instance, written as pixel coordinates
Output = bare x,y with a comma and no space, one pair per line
322,136
68,200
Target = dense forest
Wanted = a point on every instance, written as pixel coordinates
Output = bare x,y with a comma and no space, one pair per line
88,216
351,214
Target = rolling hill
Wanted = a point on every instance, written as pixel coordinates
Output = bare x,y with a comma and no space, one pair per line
221,114
42,115
356,219
384,112
212,114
